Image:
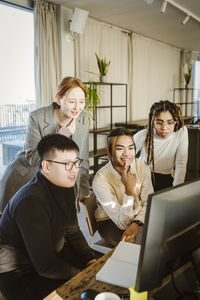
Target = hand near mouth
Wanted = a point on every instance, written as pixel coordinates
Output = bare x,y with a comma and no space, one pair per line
68,127
128,179
126,165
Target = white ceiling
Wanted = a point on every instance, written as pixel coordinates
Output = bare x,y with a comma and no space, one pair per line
146,19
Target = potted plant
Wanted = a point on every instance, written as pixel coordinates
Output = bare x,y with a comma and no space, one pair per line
103,66
187,77
92,99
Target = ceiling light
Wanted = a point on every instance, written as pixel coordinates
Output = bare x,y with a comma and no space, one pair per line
185,20
163,7
184,10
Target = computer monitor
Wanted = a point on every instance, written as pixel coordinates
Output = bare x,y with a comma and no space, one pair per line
171,233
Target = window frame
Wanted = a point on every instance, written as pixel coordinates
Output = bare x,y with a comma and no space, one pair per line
21,4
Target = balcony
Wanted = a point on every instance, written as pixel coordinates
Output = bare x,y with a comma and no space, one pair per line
13,123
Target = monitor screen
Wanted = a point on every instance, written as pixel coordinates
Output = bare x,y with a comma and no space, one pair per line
171,233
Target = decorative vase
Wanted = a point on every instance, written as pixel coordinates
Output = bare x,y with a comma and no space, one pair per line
103,79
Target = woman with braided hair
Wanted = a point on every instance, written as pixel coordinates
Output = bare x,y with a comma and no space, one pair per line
164,144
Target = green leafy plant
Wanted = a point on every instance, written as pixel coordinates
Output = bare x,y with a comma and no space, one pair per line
92,98
187,76
103,65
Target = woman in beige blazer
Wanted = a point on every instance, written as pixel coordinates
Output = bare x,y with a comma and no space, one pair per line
65,116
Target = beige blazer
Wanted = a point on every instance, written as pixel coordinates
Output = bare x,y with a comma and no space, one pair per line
26,163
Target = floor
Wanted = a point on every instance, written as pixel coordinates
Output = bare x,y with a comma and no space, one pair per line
84,228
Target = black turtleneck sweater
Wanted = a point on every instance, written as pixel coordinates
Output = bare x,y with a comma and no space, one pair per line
36,226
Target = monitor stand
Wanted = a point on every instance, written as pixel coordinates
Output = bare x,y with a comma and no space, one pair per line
185,282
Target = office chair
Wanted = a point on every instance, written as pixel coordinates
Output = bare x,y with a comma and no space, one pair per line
90,205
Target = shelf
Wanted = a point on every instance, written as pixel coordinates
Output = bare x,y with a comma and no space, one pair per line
185,89
104,83
98,153
108,106
104,130
188,99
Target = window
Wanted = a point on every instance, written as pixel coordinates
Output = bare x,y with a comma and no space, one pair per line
196,84
17,93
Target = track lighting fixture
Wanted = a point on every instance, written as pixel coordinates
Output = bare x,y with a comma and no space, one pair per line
188,13
164,6
185,20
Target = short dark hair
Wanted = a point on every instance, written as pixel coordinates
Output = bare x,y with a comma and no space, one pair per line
119,131
48,145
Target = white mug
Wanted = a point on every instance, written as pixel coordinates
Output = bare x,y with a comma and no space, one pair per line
107,296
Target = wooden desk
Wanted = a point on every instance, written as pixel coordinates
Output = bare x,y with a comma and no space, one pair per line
86,280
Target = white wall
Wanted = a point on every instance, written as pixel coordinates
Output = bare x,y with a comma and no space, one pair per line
66,45
156,72
155,68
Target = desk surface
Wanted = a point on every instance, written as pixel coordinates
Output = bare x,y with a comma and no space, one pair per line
86,280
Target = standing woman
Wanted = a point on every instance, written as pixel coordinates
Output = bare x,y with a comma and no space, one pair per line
164,144
65,116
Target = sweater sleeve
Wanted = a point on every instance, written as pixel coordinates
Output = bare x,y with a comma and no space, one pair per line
33,221
77,241
121,215
84,170
33,136
81,137
146,189
181,157
139,139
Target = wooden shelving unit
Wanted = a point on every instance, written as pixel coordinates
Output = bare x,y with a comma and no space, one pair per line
188,99
99,153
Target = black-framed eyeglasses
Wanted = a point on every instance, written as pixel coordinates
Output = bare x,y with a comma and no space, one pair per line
68,165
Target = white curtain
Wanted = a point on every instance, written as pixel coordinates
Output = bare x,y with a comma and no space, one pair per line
156,72
112,43
107,42
46,52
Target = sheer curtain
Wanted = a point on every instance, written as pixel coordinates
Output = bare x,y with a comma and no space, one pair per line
46,52
106,41
113,44
156,71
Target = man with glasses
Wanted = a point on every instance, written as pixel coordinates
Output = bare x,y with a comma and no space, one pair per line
41,245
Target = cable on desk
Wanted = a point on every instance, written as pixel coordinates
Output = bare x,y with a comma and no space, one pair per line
175,287
193,295
156,298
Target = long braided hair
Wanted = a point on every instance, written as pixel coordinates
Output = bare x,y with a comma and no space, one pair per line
155,110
